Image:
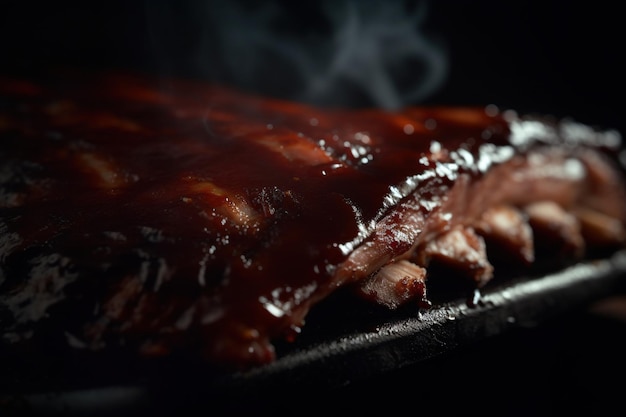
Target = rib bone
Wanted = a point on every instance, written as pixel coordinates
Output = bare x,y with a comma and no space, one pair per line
395,284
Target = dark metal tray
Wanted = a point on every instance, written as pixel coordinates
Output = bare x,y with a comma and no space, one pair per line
342,346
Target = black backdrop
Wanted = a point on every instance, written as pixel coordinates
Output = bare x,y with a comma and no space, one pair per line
548,56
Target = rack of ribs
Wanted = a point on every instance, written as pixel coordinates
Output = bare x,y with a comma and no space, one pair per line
169,216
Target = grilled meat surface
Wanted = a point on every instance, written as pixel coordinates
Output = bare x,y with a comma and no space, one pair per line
174,216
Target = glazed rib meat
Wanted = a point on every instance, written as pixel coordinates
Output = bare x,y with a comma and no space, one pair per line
174,216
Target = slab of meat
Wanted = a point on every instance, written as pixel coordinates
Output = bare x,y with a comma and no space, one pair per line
173,216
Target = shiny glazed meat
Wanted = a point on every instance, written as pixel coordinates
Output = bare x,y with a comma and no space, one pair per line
172,216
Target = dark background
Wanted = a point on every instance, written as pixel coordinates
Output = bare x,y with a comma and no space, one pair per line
554,57
562,58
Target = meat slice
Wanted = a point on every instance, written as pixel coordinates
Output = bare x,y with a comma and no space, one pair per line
462,250
200,220
599,228
556,231
508,233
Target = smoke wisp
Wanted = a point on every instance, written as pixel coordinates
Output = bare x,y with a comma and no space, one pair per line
343,53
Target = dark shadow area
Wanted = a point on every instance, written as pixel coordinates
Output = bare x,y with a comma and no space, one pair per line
537,56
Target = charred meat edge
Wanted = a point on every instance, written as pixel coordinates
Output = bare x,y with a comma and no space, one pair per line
574,198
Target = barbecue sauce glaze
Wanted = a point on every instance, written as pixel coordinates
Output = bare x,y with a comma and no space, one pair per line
173,215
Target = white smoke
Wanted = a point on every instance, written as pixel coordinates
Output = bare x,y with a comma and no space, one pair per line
379,49
333,53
